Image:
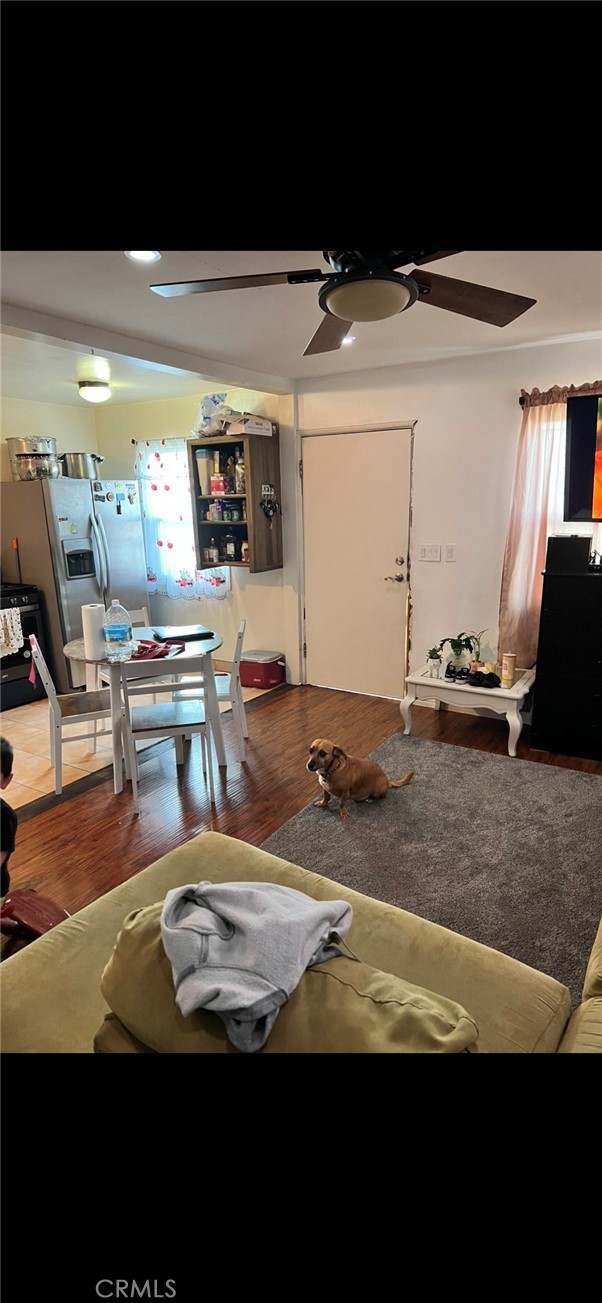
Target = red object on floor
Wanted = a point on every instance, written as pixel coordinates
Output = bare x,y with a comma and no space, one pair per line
27,912
262,669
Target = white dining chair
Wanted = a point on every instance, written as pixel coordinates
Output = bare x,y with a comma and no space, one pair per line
67,708
228,688
177,719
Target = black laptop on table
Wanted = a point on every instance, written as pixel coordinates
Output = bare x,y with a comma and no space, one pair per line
183,633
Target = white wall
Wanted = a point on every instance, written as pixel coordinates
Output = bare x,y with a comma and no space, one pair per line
258,598
468,421
72,427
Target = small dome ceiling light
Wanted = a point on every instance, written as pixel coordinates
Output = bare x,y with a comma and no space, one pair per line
94,391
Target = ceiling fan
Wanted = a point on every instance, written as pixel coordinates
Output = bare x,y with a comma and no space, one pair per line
366,287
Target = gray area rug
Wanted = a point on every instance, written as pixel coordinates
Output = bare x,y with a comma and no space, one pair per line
506,851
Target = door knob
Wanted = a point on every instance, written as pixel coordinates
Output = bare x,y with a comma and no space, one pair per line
395,579
399,560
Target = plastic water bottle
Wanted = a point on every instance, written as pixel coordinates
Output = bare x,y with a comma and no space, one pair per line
117,629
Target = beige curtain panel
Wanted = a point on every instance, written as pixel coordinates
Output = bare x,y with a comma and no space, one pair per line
536,513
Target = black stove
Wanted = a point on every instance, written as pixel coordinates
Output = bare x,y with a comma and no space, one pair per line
15,668
18,595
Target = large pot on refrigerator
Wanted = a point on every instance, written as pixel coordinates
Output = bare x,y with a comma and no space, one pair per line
80,465
36,466
31,446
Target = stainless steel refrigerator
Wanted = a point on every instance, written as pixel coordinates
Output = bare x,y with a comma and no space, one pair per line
78,541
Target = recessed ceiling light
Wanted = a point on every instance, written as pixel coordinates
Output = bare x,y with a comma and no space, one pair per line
349,339
142,255
94,391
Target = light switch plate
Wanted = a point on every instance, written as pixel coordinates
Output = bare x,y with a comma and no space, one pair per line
429,552
450,551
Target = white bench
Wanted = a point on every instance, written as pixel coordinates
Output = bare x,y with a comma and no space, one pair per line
504,701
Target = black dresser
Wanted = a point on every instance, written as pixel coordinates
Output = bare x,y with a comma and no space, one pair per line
567,693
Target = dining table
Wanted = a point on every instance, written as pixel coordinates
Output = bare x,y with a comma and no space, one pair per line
193,658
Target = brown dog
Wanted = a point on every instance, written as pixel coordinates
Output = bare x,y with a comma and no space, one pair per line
347,777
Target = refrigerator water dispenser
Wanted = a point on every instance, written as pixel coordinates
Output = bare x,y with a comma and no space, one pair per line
79,558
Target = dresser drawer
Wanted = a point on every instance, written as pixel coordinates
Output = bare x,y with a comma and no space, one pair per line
558,650
569,702
572,594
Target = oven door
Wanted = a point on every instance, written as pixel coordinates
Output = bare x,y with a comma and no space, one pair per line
17,667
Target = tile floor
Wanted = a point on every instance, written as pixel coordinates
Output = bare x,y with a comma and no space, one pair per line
26,728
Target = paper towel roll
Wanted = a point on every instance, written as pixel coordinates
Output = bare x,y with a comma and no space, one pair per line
93,617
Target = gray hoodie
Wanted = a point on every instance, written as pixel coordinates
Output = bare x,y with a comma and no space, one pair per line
238,949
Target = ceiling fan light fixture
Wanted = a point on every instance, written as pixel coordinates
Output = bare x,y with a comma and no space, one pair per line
366,296
94,391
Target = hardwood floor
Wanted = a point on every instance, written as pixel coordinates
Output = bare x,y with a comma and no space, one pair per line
76,847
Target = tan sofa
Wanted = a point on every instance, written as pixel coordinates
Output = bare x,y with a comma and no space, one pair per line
51,999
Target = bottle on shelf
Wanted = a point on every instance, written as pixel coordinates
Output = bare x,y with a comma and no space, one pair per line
244,552
117,631
240,479
213,552
230,547
230,474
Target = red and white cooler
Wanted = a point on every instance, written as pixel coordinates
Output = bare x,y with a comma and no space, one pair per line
262,669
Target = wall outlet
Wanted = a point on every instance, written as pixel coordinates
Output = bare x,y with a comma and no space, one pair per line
450,551
429,552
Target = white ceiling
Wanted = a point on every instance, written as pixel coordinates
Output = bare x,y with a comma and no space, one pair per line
244,335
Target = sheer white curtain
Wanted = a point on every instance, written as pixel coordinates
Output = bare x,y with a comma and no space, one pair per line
536,512
162,471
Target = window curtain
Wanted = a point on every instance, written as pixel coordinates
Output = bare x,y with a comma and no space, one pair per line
162,472
536,512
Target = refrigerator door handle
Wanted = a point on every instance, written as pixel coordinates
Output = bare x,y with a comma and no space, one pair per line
101,565
106,556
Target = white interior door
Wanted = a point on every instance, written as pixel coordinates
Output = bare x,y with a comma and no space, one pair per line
356,512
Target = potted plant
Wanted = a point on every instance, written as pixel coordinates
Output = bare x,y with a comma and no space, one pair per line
476,661
463,642
433,660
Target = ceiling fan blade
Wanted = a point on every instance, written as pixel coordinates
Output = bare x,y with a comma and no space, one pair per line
329,335
240,282
432,257
479,301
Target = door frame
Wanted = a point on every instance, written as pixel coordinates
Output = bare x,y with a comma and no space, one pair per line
300,435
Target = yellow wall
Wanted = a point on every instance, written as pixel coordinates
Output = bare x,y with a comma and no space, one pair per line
110,431
72,427
166,418
257,598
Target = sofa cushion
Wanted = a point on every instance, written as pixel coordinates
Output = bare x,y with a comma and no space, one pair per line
593,977
584,1032
342,1006
113,1038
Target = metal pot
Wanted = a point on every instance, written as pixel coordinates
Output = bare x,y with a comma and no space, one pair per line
80,465
30,445
37,466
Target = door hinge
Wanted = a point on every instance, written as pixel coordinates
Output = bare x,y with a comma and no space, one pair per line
301,470
305,649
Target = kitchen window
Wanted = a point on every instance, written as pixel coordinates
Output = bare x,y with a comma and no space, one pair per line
162,473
